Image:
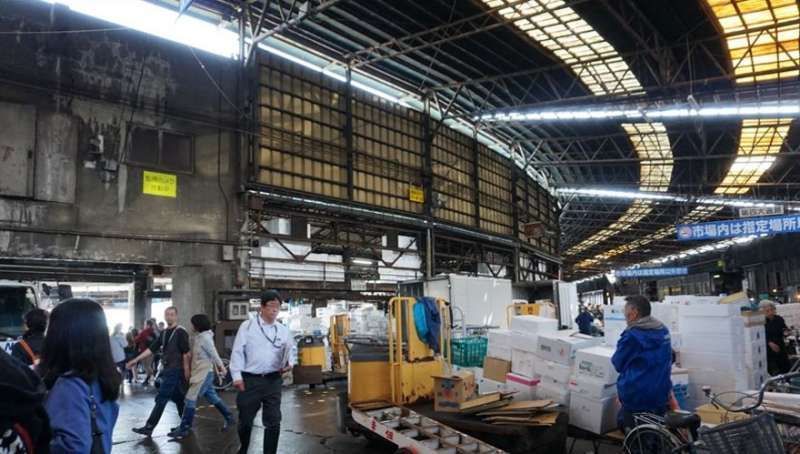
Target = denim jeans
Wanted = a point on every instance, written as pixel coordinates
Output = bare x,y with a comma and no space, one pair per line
206,390
173,387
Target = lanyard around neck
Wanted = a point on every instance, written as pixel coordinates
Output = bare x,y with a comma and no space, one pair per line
274,338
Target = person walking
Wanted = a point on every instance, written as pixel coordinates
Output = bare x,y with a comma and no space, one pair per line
83,382
205,363
143,340
29,347
173,343
261,355
118,345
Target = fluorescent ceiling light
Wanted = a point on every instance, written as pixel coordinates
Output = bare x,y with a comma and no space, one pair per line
362,262
785,108
710,201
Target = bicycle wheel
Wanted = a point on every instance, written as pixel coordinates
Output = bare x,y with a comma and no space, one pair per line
221,383
651,439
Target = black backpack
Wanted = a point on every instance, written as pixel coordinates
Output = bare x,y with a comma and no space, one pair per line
24,425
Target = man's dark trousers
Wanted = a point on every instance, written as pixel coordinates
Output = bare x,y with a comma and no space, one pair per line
172,388
260,390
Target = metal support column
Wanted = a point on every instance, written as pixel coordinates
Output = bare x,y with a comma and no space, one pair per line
348,132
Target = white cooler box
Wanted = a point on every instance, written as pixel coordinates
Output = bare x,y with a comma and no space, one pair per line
562,347
500,342
525,388
595,362
556,372
523,362
592,388
486,385
533,324
598,416
558,393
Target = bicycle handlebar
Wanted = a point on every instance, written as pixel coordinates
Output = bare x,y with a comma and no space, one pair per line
761,391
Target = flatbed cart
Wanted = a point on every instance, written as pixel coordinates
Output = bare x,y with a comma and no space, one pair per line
415,433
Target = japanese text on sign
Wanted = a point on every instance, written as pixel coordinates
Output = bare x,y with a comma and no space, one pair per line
770,225
416,194
652,272
159,184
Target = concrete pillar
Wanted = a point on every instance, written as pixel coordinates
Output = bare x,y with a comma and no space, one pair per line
141,304
194,287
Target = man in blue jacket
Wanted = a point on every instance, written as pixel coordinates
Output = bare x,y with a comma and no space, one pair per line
644,361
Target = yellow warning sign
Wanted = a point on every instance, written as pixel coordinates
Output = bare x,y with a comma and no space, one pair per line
416,194
160,184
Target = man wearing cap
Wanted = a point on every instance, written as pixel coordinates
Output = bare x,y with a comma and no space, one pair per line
260,357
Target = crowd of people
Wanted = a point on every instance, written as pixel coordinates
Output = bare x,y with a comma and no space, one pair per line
61,382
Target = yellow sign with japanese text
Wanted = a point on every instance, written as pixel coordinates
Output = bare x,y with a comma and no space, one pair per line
160,184
416,194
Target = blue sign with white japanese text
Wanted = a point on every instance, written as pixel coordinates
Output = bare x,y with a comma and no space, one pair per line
653,272
769,225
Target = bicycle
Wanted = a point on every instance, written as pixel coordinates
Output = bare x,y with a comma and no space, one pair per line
679,432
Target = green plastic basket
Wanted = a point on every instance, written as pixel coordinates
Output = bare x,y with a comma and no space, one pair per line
469,351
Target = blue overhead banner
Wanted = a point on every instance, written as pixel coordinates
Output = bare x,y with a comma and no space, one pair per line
653,272
769,225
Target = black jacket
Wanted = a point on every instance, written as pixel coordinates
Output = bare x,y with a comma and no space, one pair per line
35,342
22,402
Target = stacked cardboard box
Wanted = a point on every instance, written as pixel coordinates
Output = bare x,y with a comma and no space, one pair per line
721,348
593,402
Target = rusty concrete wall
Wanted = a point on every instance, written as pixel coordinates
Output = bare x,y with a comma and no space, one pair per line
88,84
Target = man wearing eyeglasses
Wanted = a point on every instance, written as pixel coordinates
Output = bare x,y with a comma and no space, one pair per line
261,355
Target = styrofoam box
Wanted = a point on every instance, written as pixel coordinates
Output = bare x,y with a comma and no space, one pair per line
503,353
612,333
533,324
486,385
523,362
667,314
711,310
592,387
722,361
691,299
595,362
594,415
710,325
524,341
561,347
558,393
718,380
679,376
754,334
613,323
525,388
499,338
557,372
711,343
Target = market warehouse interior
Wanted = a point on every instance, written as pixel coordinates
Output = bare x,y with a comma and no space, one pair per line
444,226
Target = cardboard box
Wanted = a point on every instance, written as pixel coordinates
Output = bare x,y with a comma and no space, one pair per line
562,347
592,388
709,414
598,416
524,388
524,362
496,369
559,373
449,392
533,325
595,362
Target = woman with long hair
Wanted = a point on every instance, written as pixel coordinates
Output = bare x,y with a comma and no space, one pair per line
205,361
82,379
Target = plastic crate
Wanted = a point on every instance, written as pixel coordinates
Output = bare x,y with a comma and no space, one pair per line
469,351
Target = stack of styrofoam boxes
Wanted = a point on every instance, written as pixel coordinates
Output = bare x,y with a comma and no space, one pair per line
691,299
713,345
613,323
755,348
525,332
593,403
669,315
557,356
790,314
499,346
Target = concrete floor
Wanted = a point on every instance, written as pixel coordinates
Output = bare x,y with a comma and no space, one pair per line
308,427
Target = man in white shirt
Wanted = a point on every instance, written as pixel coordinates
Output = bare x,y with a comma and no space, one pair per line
260,357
